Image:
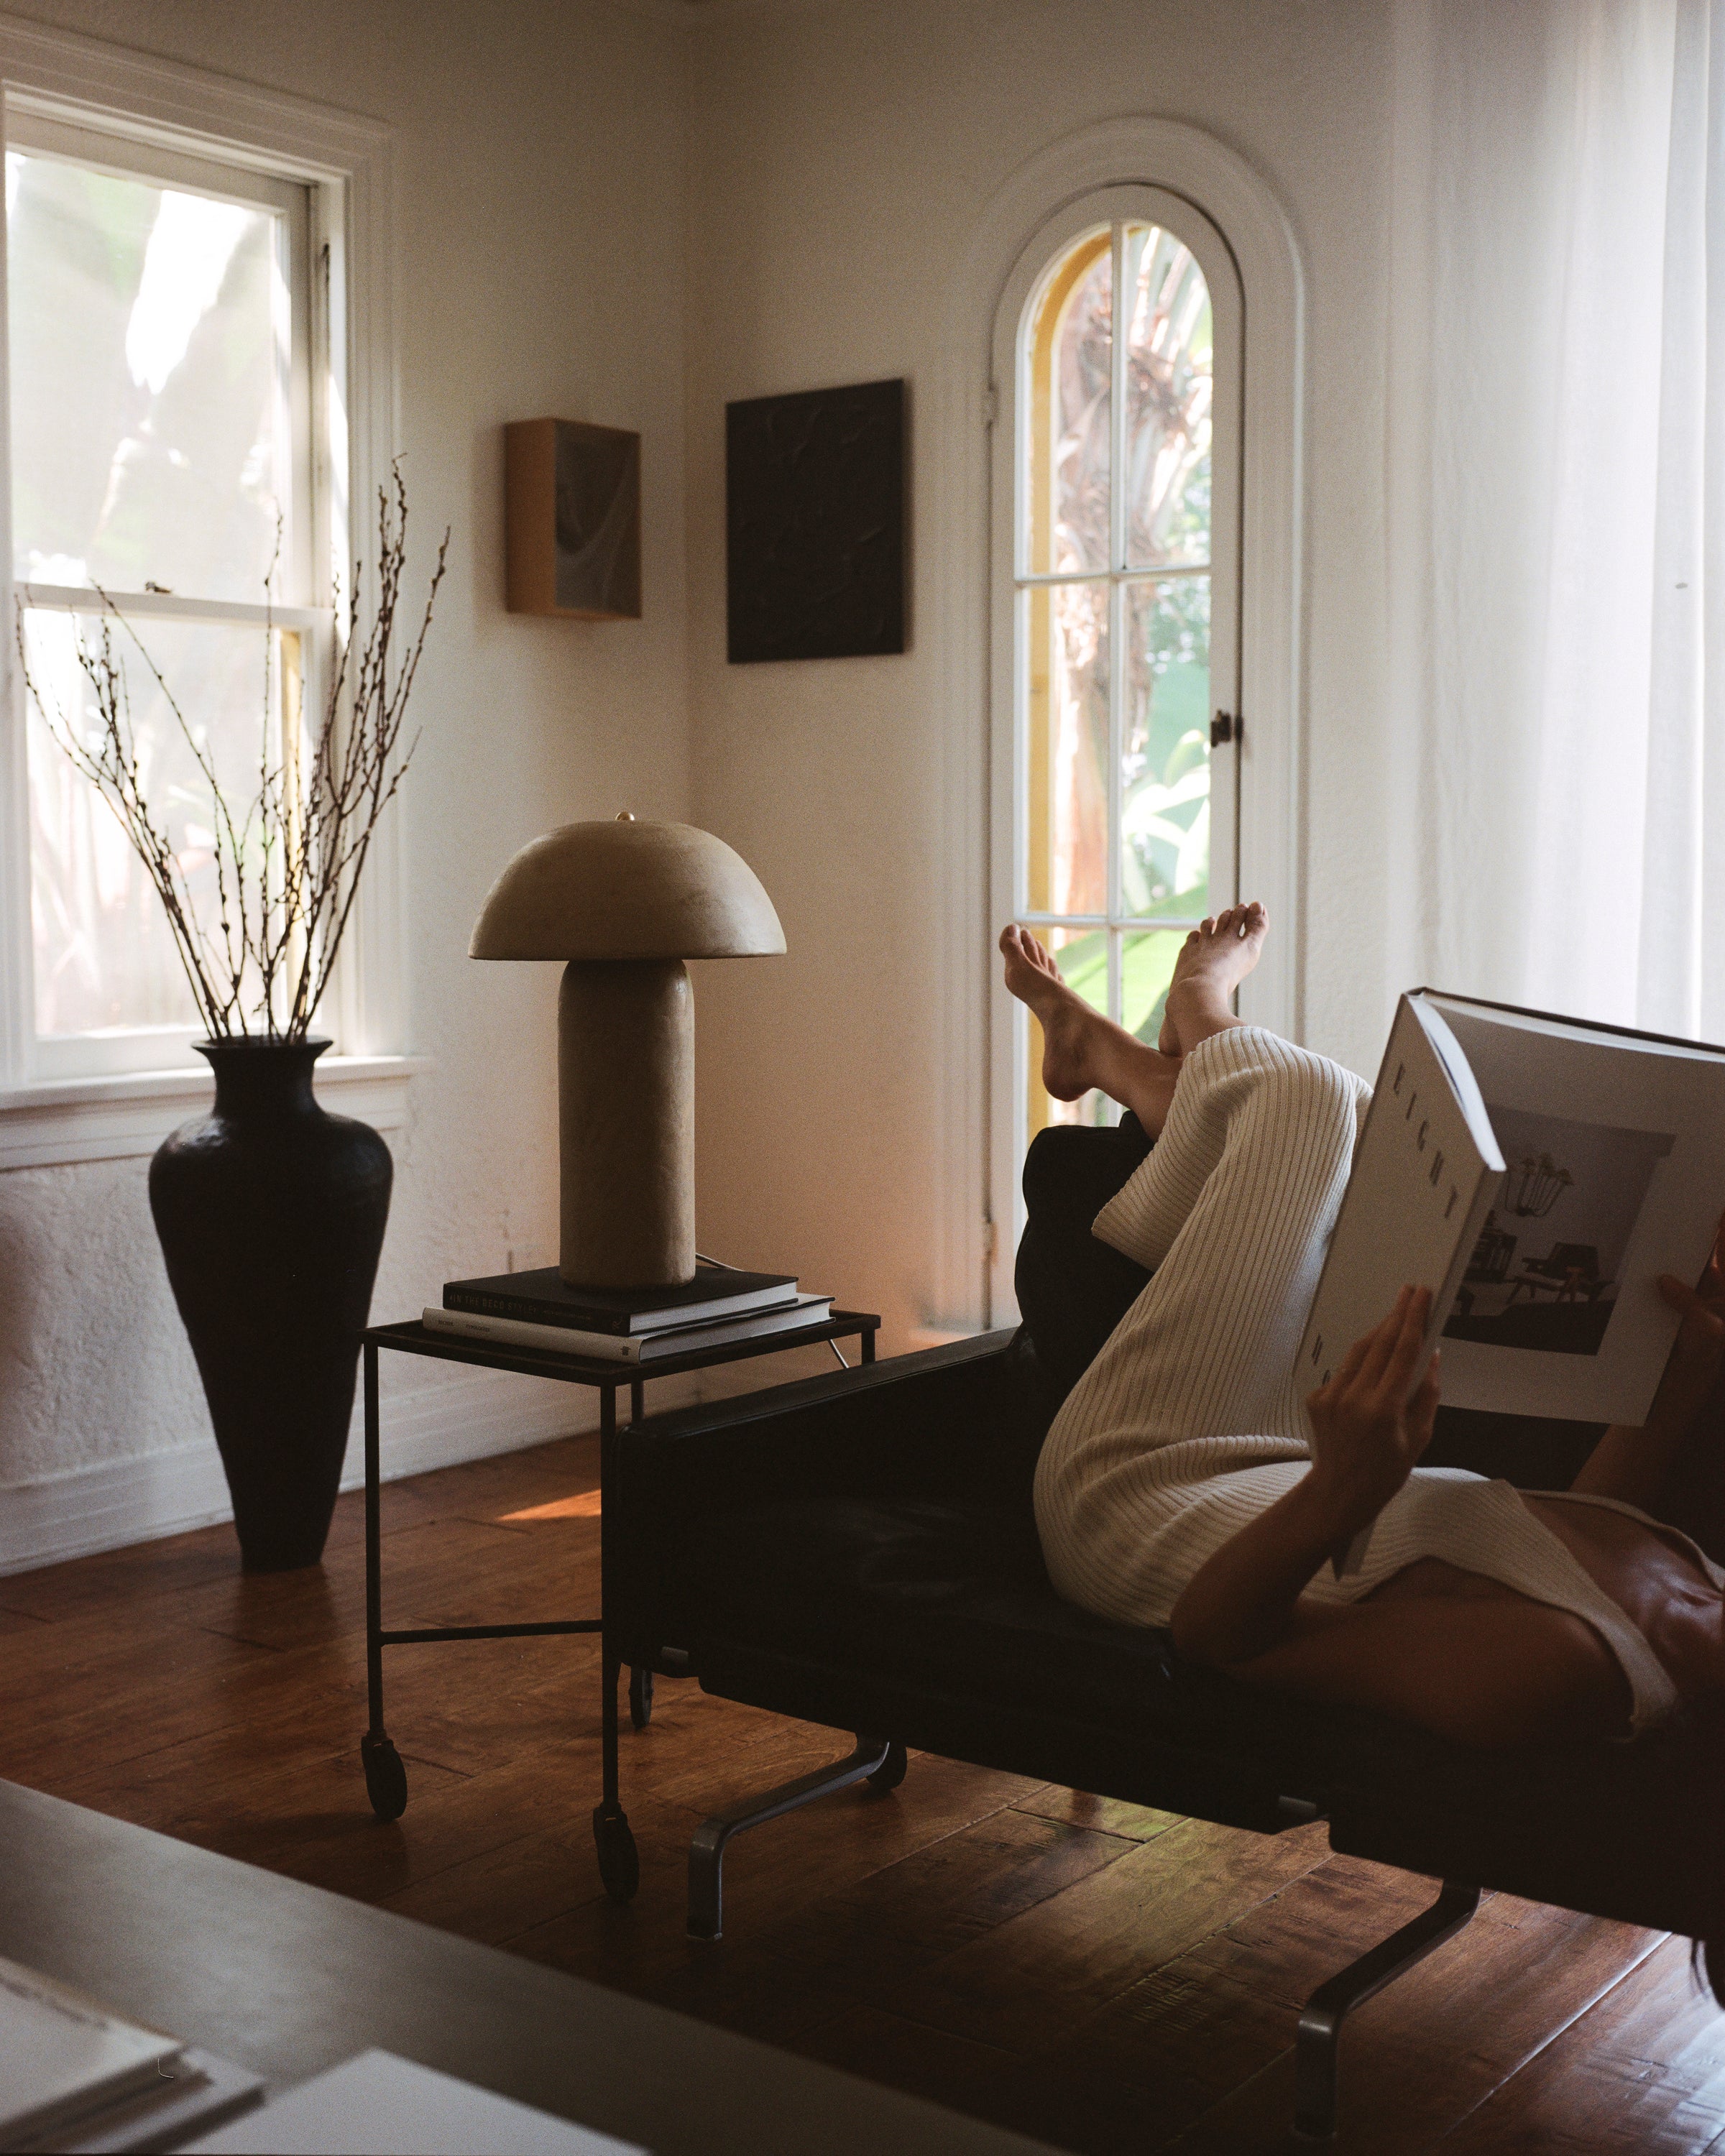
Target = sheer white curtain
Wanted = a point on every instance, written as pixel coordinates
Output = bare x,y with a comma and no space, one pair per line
1554,462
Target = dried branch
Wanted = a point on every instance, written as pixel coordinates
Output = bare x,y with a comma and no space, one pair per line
287,868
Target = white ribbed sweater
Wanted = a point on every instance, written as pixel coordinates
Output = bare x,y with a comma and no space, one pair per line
1191,1421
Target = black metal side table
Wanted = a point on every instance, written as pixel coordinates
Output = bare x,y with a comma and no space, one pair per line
386,1777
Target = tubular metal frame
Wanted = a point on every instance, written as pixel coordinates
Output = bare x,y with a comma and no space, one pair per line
386,1779
1317,2046
707,1852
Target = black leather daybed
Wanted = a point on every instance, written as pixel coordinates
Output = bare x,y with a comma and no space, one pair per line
860,1552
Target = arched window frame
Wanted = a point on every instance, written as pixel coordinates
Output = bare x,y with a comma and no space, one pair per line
973,1146
1024,322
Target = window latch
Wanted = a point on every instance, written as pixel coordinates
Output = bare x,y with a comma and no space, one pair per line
1225,726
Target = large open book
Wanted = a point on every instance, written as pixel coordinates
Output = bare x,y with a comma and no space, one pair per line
1538,1174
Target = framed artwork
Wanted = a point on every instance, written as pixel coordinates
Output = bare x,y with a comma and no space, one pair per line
574,513
814,524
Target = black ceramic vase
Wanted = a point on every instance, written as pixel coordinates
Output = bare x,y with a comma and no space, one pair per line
271,1216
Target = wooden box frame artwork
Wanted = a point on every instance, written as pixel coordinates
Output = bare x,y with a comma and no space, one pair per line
572,495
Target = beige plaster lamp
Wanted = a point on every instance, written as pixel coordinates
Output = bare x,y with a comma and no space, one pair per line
625,904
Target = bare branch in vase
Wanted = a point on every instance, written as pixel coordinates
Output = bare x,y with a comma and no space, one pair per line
258,952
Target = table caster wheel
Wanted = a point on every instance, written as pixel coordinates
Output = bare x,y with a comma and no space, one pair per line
890,1772
619,1865
386,1778
640,1697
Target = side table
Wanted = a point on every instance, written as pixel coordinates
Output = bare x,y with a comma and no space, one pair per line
386,1777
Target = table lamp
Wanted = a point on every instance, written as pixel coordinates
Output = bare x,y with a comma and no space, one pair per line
625,903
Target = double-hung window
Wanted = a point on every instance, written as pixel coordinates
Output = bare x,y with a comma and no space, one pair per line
1116,646
177,478
196,384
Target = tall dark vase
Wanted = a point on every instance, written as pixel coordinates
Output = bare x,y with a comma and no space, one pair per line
271,1216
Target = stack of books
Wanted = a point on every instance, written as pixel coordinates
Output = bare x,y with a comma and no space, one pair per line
719,1307
75,2075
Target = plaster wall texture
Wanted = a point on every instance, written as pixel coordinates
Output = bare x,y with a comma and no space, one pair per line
539,182
631,215
843,158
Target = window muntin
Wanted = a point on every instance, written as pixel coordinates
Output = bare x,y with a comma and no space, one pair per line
1112,589
159,366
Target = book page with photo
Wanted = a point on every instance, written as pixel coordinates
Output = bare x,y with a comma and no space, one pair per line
1613,1147
1548,1269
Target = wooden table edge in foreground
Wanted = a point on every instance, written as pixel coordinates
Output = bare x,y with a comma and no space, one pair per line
386,1777
289,1979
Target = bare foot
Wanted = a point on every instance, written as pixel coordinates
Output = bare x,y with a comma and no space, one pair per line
1214,960
1079,1047
1065,1019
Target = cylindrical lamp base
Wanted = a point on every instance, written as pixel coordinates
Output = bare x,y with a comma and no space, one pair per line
626,1103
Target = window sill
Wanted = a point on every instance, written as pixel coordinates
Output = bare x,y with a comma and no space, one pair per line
126,1116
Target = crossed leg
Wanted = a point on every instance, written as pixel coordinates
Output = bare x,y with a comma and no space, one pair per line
1081,1049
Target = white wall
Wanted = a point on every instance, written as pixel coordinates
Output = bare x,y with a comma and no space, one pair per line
631,214
844,157
540,184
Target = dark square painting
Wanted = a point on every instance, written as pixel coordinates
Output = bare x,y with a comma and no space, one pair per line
815,522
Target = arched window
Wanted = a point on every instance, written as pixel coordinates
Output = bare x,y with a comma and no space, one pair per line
1117,600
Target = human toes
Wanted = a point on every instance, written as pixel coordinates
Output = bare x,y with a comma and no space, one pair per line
1038,953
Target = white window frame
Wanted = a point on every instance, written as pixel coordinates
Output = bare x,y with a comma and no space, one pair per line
967,1284
311,536
1013,577
343,164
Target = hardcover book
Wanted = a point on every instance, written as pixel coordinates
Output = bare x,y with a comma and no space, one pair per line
629,1348
64,2056
1538,1174
544,1297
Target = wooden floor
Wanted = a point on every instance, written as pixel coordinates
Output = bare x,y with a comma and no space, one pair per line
1106,1978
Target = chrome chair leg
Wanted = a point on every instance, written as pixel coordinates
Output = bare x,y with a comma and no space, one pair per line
707,1852
1315,2046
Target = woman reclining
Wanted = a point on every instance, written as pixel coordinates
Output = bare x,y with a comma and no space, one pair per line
1184,1482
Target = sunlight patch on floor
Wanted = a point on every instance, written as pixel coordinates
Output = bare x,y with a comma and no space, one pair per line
584,1505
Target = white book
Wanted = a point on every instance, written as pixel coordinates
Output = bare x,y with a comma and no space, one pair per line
1425,1172
626,1348
63,2056
195,2094
1538,1174
379,2105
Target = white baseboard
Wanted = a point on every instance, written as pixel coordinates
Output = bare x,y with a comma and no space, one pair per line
470,1417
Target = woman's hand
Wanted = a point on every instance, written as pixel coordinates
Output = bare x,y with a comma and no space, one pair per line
1370,1423
1697,1352
1367,1434
1633,1463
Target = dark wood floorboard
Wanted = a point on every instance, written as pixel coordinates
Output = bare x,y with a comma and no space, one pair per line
1110,1978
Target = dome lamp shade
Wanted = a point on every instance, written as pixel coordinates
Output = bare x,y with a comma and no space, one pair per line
627,889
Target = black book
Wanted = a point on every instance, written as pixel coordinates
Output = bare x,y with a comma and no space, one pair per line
543,1297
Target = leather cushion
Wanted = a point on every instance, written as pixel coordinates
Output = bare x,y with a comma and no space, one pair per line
956,1597
1073,1291
945,1598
